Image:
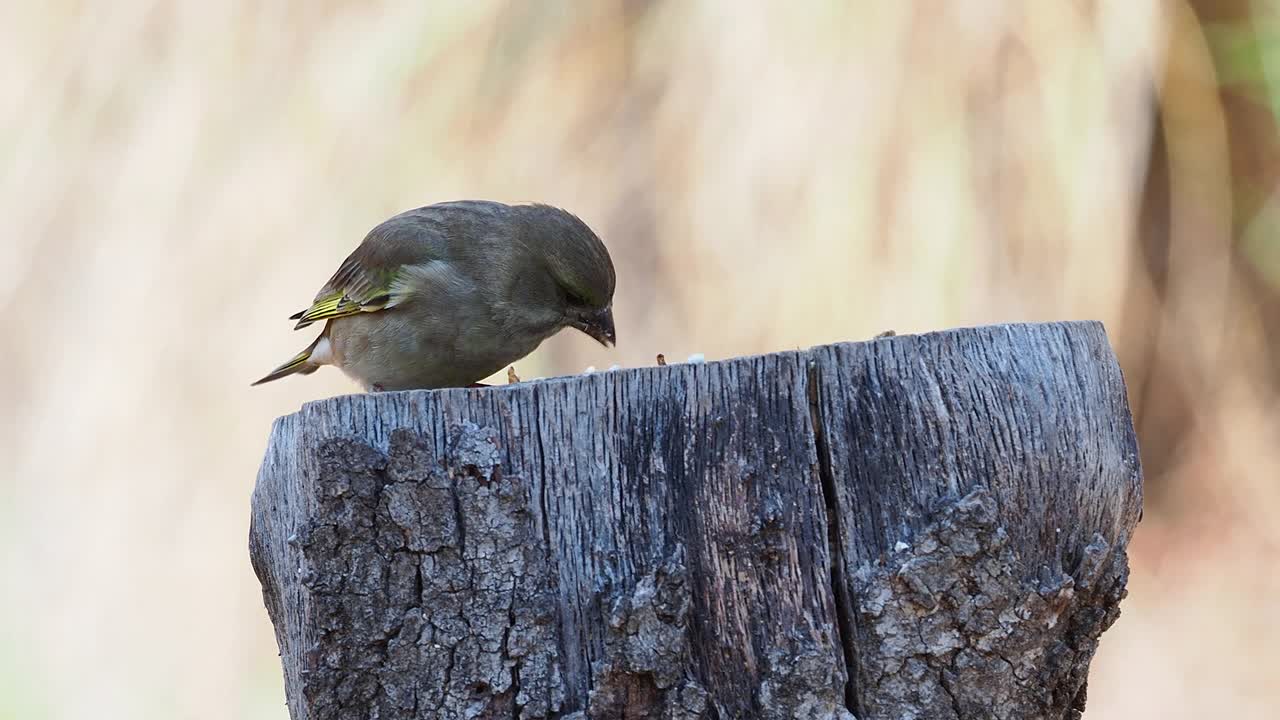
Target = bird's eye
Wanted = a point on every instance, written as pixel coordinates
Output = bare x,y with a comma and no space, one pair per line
575,298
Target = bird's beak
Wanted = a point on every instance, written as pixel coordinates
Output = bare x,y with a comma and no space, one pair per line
599,326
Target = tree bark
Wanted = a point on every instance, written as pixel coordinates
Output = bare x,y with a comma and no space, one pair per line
923,526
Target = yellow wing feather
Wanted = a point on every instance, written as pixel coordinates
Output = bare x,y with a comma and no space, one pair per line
351,299
329,307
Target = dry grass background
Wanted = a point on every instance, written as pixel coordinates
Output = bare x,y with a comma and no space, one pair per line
178,177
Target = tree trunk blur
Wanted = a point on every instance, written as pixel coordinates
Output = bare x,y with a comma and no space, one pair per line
1200,304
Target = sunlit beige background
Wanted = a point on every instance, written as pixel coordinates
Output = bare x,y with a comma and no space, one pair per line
176,178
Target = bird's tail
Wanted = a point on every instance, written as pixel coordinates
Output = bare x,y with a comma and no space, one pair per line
304,363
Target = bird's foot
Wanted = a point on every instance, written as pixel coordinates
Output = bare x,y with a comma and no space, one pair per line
885,334
512,377
662,360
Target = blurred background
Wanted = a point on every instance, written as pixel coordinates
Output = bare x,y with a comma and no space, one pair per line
176,178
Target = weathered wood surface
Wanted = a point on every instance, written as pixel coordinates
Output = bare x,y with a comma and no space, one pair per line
922,526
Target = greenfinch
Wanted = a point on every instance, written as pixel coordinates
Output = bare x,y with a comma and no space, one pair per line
447,294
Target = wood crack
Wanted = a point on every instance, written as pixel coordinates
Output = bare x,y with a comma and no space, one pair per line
835,543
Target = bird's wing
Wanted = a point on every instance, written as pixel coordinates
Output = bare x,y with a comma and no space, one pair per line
359,286
352,290
396,257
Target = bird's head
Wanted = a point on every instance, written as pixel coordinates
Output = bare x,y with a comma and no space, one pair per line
578,267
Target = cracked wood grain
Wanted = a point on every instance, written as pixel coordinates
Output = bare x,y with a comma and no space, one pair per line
919,526
987,483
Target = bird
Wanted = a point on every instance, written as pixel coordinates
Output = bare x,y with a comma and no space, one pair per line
447,294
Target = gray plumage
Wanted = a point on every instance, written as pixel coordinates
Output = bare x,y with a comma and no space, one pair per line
445,295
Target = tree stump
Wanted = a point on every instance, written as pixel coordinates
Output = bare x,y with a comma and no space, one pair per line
927,526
